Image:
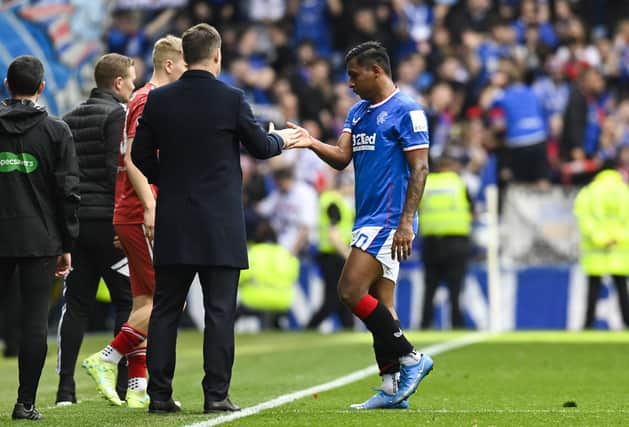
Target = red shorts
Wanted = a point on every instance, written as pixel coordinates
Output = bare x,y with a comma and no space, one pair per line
140,256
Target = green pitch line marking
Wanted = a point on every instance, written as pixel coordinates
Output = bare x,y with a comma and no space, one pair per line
339,382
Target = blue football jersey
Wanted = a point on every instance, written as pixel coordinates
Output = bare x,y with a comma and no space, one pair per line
381,133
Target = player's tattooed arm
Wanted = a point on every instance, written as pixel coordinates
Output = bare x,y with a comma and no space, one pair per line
403,238
418,163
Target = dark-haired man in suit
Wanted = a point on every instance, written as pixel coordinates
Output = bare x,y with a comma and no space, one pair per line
197,124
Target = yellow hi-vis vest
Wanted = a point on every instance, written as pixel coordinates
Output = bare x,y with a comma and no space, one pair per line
602,211
268,284
444,209
344,226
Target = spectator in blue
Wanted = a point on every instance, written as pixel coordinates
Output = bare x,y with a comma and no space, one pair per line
313,22
126,36
131,36
499,44
517,121
412,23
552,90
532,16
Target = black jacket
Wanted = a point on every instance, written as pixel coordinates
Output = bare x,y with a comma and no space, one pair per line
38,183
574,124
96,126
197,124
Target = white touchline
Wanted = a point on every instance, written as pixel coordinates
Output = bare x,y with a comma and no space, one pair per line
339,382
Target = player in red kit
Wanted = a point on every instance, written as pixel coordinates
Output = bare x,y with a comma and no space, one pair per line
134,220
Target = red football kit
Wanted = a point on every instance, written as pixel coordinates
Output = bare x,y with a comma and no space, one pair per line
129,211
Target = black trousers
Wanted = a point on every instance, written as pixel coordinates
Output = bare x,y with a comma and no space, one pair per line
594,284
92,258
10,316
527,164
36,277
445,259
219,285
331,267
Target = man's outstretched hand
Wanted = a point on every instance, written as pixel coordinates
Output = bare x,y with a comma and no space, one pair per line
304,139
289,136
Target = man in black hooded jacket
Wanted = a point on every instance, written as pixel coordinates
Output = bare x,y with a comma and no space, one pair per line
96,126
38,222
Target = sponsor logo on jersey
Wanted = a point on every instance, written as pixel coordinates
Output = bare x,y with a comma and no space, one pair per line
21,162
363,142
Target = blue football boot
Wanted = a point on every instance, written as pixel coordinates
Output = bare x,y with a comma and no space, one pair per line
381,400
411,376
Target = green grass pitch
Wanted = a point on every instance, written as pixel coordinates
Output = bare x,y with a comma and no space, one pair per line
513,379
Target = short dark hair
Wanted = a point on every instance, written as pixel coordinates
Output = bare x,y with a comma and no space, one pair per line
109,67
25,75
199,43
369,53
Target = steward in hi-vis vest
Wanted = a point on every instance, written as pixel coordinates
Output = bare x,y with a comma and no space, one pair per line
445,208
269,283
331,202
336,219
602,211
445,222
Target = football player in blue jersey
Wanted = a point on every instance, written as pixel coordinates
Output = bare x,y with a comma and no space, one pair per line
386,135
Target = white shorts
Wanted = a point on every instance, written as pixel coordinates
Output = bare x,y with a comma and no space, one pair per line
377,242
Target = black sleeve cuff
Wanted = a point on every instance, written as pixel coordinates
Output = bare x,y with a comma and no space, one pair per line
279,141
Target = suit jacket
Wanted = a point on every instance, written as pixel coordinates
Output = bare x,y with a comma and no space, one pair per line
187,143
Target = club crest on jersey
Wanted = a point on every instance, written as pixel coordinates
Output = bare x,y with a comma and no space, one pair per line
381,118
363,142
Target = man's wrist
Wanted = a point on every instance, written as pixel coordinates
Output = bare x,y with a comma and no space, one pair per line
407,219
278,136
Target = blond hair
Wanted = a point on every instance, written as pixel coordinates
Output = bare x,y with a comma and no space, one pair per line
168,47
109,67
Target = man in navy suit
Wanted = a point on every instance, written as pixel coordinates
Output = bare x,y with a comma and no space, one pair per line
188,143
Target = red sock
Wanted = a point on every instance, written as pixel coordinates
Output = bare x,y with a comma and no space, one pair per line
127,339
136,360
365,306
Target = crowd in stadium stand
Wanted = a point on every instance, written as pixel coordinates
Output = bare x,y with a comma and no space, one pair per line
288,57
472,64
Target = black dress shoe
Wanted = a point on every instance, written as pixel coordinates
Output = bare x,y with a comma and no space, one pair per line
163,406
219,406
20,412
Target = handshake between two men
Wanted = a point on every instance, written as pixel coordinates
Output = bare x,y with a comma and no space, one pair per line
293,136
